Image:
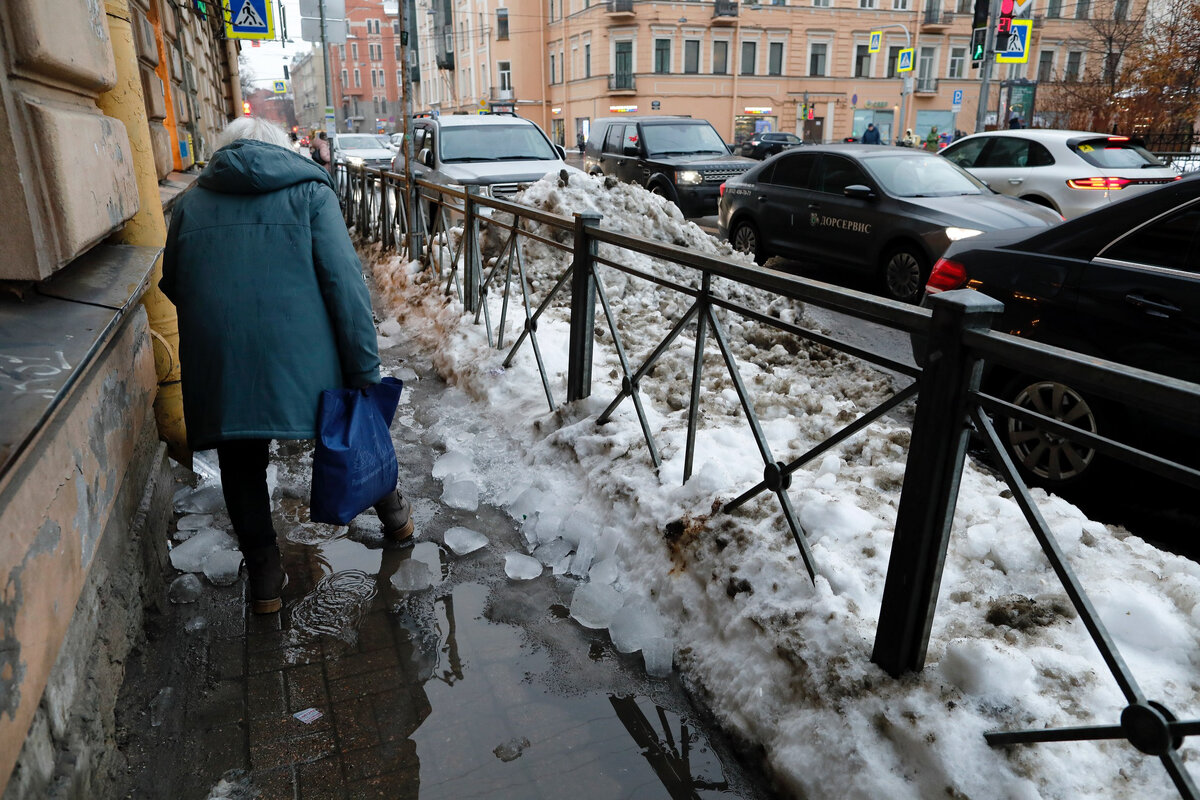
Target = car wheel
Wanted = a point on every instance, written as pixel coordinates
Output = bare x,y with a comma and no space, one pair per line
905,271
659,190
1046,458
746,239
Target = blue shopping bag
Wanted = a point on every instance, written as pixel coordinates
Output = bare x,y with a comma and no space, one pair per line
354,465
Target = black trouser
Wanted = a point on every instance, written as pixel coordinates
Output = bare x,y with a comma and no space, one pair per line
244,482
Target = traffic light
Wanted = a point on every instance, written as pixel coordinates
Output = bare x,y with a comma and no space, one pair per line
982,10
978,46
246,107
285,73
1004,21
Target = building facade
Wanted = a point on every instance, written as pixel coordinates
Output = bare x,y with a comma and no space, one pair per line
366,70
308,89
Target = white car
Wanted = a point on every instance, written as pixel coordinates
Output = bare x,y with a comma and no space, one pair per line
1071,172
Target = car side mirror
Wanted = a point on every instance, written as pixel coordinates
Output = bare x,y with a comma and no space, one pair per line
562,153
859,192
426,157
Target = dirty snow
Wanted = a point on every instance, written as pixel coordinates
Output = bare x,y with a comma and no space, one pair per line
782,661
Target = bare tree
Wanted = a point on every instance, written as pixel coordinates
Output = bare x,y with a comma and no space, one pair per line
246,75
1167,71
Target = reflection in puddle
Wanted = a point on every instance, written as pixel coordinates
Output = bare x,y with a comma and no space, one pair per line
335,605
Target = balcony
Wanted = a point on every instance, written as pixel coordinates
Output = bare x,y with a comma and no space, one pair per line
935,20
619,8
445,60
925,86
500,94
725,12
622,84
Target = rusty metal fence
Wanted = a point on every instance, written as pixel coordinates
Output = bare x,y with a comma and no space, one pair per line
444,232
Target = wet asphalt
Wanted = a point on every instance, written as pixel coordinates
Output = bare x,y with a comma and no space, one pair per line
478,687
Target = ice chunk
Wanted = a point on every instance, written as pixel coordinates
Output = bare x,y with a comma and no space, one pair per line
185,589
593,605
190,555
605,571
584,553
634,625
526,504
451,463
461,494
658,654
272,479
431,555
222,567
521,567
562,566
194,522
552,552
464,540
204,500
412,576
205,464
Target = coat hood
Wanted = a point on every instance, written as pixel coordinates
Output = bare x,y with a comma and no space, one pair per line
251,167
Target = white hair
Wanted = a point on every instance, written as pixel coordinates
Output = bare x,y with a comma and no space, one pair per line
253,128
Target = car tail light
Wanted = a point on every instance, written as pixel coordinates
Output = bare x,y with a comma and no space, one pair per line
1099,183
1118,138
946,275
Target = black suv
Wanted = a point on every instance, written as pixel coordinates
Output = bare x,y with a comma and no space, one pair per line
1122,283
764,145
680,158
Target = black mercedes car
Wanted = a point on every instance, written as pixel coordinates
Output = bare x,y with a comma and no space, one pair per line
887,210
1121,283
763,145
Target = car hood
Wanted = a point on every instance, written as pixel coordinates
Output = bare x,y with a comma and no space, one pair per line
371,154
705,160
986,212
501,171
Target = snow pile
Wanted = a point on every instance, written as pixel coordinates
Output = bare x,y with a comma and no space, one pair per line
783,661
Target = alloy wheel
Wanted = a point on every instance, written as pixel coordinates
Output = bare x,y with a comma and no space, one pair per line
1051,456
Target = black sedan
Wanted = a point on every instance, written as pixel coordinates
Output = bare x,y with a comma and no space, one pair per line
764,145
890,211
1121,283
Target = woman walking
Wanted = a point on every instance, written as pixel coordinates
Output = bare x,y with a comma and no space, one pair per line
272,310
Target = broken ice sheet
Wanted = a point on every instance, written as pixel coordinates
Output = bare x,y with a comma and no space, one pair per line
593,605
412,576
658,654
635,625
605,571
193,522
451,463
461,494
222,567
464,540
190,555
521,567
552,552
204,500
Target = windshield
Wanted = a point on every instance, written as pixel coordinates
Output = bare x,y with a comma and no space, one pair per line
904,175
682,139
1115,154
496,143
384,141
361,141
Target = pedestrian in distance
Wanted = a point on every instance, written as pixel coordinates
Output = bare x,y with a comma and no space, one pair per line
931,141
1014,123
580,142
870,135
272,310
910,139
320,150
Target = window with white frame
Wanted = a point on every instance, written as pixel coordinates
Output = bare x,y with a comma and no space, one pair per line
354,51
720,62
866,3
893,58
749,57
820,3
691,56
504,72
818,53
662,56
553,71
357,78
899,5
501,23
862,61
344,78
1045,66
957,66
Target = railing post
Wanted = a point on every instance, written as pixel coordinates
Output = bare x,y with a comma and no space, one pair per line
472,267
583,310
931,480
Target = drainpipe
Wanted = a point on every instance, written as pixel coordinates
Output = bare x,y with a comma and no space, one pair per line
735,68
147,228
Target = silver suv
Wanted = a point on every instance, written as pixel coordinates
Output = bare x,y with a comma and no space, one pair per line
497,153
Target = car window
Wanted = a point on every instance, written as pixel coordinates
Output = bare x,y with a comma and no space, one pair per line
1114,152
913,175
362,141
794,171
837,173
965,153
612,142
682,139
1039,156
495,143
1166,242
791,138
1006,151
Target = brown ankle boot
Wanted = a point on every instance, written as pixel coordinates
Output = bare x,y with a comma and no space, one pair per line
266,580
396,515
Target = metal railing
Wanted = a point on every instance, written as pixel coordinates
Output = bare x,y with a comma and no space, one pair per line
937,16
958,343
620,7
725,8
926,85
622,81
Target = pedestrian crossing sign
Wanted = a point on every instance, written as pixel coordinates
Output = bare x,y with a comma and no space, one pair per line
1014,46
248,19
904,60
876,36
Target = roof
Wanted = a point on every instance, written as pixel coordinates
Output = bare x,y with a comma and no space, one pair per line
455,120
1044,134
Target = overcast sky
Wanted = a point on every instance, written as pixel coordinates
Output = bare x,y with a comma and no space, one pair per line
267,60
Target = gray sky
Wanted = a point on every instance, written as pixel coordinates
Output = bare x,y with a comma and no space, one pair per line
268,59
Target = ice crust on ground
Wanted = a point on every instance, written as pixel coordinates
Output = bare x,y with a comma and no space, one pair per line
783,661
521,567
190,556
464,540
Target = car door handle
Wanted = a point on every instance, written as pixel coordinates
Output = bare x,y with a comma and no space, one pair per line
1016,181
645,172
1152,307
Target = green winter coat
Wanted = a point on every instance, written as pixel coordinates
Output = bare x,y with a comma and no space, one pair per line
271,300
